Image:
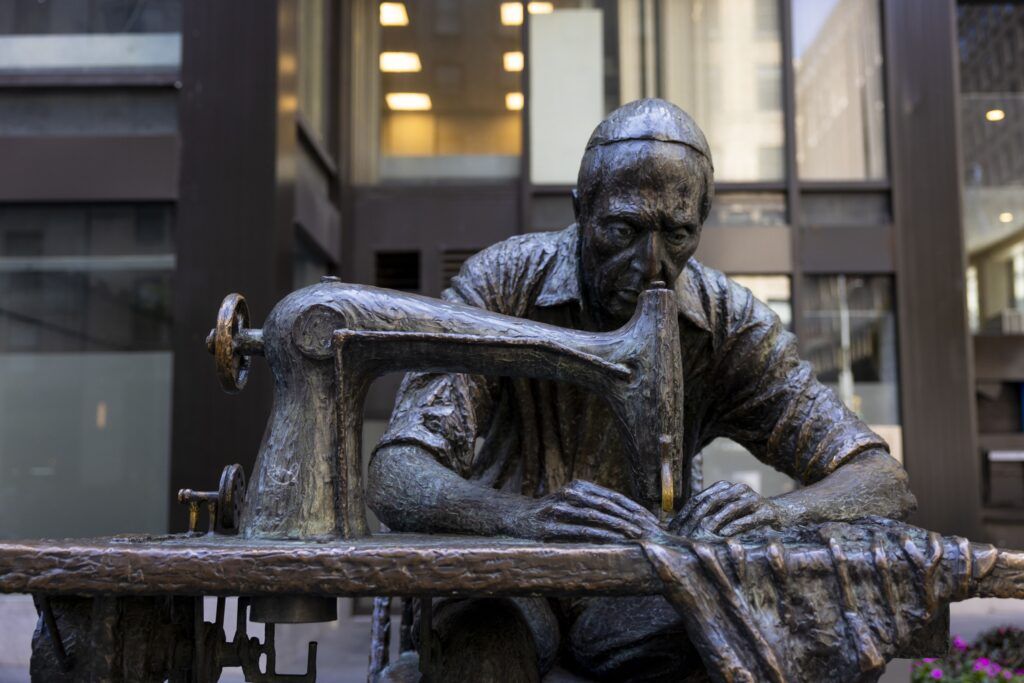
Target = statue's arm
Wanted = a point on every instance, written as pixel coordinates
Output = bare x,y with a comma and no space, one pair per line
409,490
869,483
420,475
771,402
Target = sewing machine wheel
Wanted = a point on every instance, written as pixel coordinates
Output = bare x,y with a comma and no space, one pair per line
232,367
230,495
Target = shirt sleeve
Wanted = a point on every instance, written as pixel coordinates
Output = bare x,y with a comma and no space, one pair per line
769,400
444,412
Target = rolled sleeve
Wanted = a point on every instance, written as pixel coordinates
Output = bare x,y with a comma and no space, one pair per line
440,413
444,412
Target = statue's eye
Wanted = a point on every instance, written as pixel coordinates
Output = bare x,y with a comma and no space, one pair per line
679,235
621,231
676,236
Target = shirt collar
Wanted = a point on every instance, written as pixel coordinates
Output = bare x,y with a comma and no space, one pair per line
562,280
561,283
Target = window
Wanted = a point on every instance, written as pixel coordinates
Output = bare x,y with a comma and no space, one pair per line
769,88
100,34
84,112
451,263
447,100
840,96
748,208
85,368
728,80
314,25
992,135
849,335
399,270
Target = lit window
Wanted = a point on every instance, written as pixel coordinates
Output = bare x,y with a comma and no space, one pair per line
995,115
513,61
400,62
393,14
540,7
514,101
408,101
512,13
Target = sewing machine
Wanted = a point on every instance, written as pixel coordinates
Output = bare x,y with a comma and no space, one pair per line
288,544
296,537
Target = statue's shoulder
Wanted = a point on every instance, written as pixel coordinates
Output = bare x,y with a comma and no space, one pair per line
507,276
522,255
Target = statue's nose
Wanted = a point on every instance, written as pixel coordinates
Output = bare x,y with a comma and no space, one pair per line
651,259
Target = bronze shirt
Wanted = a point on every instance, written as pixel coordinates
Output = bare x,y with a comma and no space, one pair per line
743,380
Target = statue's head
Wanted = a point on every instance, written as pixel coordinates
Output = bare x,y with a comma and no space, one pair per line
644,190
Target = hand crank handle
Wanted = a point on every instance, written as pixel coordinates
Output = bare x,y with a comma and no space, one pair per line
233,343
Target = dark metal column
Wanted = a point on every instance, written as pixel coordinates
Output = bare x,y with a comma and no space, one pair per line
230,233
936,358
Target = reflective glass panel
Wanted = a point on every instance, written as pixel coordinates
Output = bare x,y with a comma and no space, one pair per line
991,38
85,369
840,90
314,22
748,208
449,100
849,335
99,34
721,60
99,111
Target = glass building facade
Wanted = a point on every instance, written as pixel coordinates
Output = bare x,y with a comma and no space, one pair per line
157,155
386,142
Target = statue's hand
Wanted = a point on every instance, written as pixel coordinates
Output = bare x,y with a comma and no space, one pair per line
727,509
582,511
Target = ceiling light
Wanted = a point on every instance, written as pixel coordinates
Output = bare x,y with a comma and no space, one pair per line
408,101
514,101
393,14
400,62
540,7
995,115
1005,217
513,61
512,14
287,103
286,64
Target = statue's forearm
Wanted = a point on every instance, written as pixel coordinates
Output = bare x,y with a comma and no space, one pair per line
410,491
872,483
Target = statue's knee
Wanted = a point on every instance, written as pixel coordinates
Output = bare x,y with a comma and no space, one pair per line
482,640
631,639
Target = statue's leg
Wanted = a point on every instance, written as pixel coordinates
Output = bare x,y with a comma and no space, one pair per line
492,639
632,639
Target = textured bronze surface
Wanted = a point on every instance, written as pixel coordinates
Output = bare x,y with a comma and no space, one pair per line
326,343
400,564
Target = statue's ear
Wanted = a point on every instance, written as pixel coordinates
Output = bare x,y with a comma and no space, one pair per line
575,203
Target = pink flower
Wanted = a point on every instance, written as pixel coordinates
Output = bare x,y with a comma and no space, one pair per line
982,664
928,660
936,674
959,643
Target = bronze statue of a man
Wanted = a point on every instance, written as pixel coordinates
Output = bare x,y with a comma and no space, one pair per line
541,460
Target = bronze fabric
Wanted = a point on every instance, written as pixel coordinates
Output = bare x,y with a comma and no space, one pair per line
743,380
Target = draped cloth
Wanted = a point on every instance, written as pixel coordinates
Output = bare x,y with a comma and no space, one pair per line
830,602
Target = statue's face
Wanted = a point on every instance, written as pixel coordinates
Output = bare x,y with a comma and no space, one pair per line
641,225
